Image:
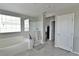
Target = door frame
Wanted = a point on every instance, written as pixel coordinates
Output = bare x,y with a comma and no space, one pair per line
50,35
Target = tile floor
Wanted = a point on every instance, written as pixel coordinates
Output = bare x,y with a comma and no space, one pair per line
47,49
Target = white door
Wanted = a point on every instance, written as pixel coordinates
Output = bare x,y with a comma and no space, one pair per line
64,31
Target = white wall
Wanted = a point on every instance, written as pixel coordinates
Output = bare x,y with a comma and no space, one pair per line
40,18
36,27
76,33
34,24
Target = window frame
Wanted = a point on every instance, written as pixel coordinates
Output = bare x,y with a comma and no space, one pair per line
11,24
25,24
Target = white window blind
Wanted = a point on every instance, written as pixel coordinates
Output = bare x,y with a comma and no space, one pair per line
26,25
9,24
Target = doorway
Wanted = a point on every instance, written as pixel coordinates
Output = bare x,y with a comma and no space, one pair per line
47,33
52,31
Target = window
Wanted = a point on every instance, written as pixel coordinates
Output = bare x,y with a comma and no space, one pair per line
9,24
26,25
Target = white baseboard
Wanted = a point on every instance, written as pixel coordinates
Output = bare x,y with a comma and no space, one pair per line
70,51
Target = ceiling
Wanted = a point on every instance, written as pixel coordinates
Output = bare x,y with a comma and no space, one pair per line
35,9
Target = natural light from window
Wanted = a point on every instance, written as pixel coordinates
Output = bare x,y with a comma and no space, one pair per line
9,24
26,25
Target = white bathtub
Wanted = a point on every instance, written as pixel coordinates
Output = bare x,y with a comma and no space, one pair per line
12,46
